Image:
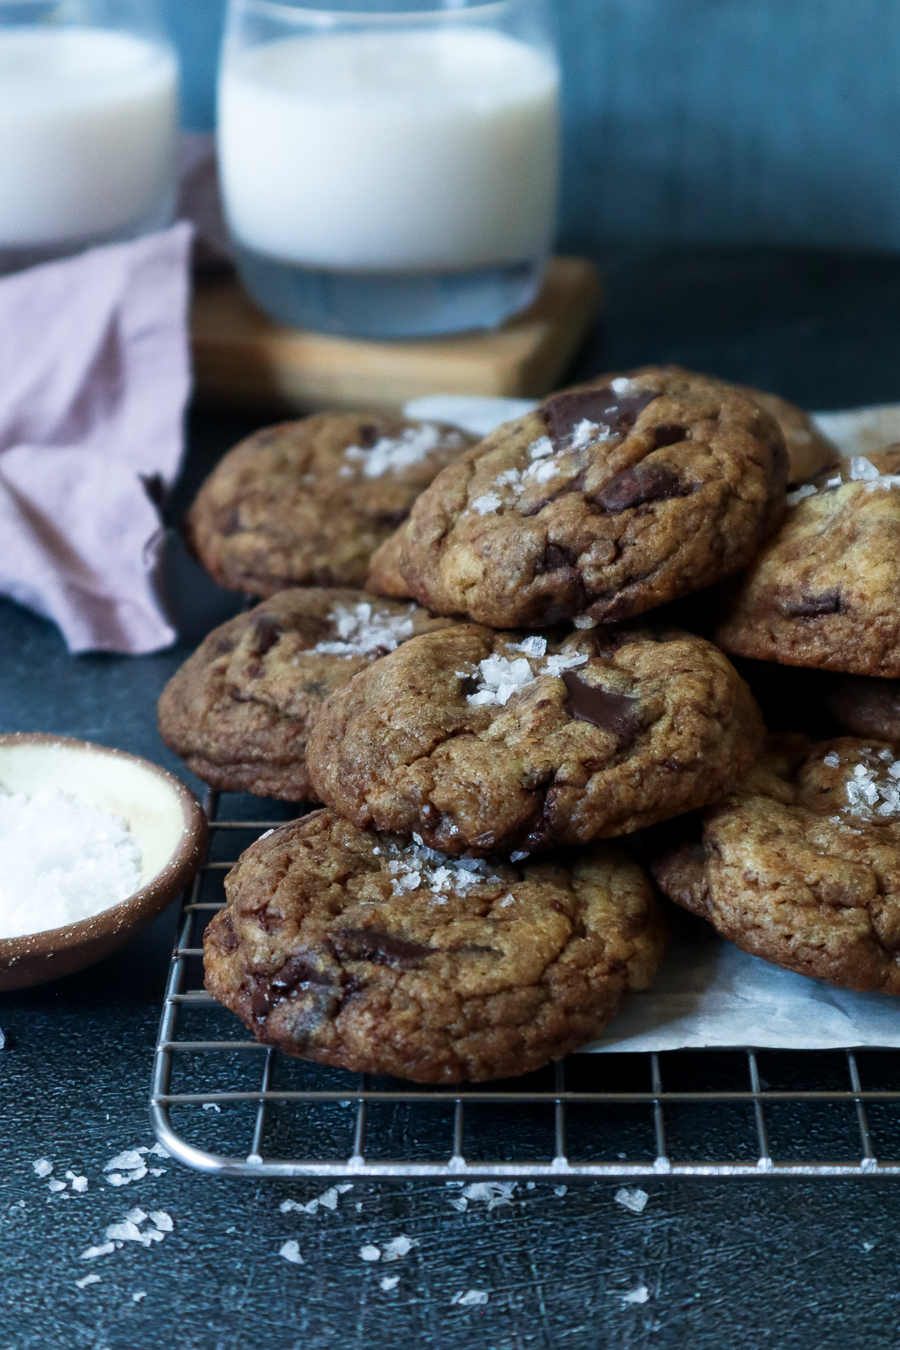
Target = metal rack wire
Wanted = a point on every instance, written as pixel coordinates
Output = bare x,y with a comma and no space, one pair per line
690,1113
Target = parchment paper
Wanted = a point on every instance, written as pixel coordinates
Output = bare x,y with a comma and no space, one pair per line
708,992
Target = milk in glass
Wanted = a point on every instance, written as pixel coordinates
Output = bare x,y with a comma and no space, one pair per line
428,153
87,135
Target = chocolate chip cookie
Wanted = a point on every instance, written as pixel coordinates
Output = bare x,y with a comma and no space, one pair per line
479,740
802,865
372,953
240,710
307,503
609,500
823,591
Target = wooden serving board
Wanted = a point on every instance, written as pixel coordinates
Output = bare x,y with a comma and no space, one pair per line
243,359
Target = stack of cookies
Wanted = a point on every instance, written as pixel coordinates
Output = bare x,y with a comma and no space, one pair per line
522,679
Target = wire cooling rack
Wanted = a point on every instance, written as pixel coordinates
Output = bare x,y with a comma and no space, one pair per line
224,1104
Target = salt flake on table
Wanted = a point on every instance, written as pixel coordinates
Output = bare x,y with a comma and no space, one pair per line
139,1296
369,1253
291,1252
79,1184
103,1250
86,1280
634,1199
639,1295
472,1299
211,1106
56,1186
398,1247
493,1193
131,1158
389,1282
43,1167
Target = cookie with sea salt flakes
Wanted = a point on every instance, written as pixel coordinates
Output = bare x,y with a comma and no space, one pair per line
611,499
375,954
801,865
240,710
823,592
307,503
480,740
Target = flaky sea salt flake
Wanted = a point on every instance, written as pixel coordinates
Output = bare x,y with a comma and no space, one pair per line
43,1167
487,503
632,1198
398,1247
492,1193
290,1250
807,490
86,1280
473,1298
639,1295
104,1249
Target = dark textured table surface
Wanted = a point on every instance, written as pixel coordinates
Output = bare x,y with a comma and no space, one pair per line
769,1261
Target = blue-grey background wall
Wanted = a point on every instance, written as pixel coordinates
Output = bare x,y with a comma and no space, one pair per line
701,120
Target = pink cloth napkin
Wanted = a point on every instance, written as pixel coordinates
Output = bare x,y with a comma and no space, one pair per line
94,380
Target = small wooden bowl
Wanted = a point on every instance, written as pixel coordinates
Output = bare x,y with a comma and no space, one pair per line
160,810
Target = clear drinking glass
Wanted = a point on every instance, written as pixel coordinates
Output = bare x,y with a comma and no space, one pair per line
389,168
88,124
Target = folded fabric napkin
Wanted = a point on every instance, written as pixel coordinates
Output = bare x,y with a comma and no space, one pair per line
94,380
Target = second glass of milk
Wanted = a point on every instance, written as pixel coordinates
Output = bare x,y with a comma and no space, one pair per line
88,124
389,169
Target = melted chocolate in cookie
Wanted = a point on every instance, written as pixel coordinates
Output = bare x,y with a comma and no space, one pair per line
383,949
639,484
811,606
616,412
615,713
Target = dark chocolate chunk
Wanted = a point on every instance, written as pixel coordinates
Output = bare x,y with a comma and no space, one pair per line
224,645
383,949
230,524
266,632
226,938
297,970
554,557
669,435
645,482
616,412
468,685
811,606
367,436
615,713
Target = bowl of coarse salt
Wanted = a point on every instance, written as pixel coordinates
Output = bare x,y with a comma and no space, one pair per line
94,844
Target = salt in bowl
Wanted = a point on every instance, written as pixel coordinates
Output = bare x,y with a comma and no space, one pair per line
157,808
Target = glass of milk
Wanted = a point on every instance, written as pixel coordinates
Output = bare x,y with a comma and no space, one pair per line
389,167
88,120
